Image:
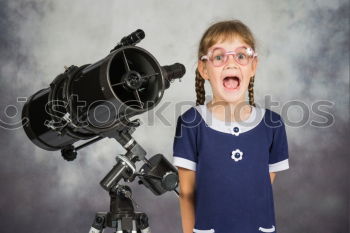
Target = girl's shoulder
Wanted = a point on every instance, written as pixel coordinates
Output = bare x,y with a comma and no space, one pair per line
191,117
272,118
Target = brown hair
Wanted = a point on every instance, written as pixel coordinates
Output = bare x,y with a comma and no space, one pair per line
218,32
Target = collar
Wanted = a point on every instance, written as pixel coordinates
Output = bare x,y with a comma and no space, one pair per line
231,127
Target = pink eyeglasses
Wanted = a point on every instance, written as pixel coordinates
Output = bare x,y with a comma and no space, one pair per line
219,57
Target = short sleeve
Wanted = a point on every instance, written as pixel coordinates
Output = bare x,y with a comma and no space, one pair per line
185,146
278,158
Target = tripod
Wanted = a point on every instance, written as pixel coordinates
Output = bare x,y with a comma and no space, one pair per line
121,215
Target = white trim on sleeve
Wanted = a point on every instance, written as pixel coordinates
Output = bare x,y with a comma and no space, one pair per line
185,163
279,166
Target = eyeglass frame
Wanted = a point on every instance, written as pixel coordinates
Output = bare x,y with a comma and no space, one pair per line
250,53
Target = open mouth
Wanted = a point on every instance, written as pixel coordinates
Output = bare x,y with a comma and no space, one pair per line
231,82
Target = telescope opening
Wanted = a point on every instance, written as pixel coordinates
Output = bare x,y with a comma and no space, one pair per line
135,78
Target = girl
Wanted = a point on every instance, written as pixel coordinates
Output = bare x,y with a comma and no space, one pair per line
228,150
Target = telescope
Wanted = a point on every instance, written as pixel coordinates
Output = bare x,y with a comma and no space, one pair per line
94,101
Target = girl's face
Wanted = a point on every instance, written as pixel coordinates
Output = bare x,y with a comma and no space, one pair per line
229,81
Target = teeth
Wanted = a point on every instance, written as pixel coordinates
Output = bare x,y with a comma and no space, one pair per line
233,77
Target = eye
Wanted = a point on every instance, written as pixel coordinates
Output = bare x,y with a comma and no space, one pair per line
241,56
218,57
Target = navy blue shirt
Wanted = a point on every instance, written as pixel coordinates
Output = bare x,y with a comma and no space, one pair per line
232,161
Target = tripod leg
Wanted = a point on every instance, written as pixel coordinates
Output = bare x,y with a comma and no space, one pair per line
134,229
119,229
99,223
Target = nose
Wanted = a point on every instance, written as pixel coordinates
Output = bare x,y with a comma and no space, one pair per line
231,62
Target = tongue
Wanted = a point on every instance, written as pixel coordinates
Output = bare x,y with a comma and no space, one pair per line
230,82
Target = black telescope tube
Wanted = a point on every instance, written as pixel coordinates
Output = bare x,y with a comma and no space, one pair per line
89,100
78,93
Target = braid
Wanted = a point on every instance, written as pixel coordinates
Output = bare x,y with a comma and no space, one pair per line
200,91
251,91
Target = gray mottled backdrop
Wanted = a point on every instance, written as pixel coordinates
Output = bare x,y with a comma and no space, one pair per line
304,62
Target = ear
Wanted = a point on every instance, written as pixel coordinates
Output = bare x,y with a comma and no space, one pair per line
202,69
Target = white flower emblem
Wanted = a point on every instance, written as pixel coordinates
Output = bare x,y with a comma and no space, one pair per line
237,155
